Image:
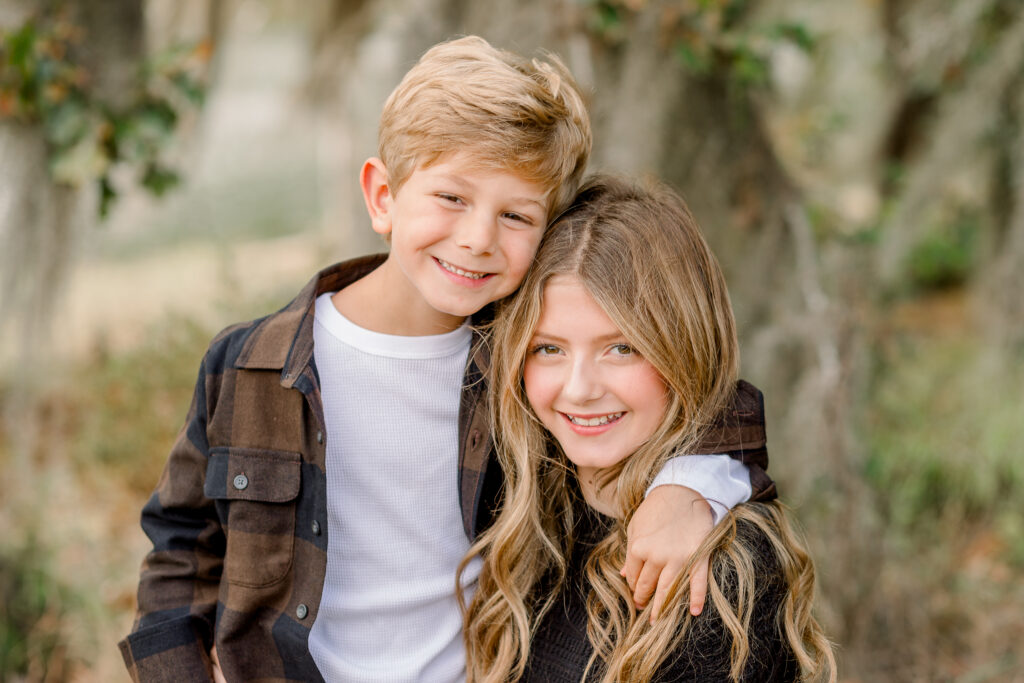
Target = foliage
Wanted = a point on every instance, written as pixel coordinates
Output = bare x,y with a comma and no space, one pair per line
125,409
945,257
43,82
945,432
708,37
34,604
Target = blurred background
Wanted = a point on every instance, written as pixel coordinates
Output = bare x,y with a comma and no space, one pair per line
168,167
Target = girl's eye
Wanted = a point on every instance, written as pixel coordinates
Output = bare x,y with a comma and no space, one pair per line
545,350
623,350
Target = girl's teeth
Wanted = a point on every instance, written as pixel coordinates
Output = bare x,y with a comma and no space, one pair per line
594,421
459,271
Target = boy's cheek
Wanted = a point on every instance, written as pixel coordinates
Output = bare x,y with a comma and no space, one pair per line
522,258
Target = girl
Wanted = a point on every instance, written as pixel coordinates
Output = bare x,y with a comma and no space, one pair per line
615,354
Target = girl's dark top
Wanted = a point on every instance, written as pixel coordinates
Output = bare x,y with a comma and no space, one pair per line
560,650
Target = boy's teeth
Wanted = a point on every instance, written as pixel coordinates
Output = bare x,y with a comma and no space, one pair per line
459,271
594,421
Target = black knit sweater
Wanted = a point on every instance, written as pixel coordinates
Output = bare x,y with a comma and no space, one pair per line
560,650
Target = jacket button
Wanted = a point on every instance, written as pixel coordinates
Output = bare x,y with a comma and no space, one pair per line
316,527
319,437
240,482
474,439
301,611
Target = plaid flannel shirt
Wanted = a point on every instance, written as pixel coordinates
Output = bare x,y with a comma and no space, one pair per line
238,518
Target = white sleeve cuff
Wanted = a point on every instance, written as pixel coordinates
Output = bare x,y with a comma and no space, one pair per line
723,481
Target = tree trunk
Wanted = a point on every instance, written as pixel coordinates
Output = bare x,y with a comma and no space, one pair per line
40,221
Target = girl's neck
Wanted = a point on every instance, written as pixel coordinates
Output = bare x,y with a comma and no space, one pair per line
601,499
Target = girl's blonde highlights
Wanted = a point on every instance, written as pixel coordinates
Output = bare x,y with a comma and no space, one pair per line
638,251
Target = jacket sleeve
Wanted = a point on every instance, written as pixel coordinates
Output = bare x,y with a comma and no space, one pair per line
178,586
740,433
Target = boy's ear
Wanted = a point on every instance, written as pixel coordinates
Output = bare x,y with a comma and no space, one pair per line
373,178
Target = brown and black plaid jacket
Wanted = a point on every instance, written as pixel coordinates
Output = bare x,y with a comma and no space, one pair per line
238,519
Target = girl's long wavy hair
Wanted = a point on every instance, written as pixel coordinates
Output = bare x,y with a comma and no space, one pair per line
637,250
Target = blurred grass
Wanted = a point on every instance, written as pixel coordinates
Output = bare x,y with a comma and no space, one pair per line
945,440
35,603
947,430
124,409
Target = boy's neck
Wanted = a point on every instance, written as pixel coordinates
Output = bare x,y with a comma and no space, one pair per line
373,305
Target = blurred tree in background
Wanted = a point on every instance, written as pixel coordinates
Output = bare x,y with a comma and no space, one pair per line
81,103
858,168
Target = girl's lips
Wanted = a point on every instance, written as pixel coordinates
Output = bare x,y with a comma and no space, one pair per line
592,425
466,278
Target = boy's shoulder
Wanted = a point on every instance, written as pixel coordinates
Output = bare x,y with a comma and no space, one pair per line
284,338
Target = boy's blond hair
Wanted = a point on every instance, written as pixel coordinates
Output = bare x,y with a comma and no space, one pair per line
507,112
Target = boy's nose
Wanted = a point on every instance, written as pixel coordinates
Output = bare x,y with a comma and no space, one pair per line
476,234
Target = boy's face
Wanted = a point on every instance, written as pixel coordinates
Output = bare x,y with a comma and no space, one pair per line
461,237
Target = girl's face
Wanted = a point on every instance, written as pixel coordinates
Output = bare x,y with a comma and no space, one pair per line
596,395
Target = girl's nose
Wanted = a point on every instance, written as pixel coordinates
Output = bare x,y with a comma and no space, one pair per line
582,383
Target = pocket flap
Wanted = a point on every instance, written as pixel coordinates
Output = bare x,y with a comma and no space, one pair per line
254,474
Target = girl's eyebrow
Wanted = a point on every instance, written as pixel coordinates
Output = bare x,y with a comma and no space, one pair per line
543,336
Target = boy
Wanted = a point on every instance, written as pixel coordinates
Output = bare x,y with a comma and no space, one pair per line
355,408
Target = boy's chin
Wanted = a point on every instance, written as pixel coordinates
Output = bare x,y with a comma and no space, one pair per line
464,309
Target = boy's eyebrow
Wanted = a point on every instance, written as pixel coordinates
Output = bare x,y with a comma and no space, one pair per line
468,184
529,200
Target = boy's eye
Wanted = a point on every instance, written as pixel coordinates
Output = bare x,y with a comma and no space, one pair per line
518,217
449,197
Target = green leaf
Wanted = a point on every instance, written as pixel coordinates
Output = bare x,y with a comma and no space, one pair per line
796,33
158,179
191,88
749,68
107,196
66,123
699,62
19,47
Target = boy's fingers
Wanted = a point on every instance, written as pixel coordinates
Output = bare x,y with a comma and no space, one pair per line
646,584
631,571
699,586
218,675
668,576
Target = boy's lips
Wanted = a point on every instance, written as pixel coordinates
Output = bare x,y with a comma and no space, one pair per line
461,273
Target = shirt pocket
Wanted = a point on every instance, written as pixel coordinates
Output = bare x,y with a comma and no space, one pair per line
256,492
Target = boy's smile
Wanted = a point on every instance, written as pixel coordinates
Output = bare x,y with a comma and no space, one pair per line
462,236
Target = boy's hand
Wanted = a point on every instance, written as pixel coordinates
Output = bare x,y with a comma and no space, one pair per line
665,531
218,675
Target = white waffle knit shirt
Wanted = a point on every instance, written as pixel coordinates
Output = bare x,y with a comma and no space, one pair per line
395,535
